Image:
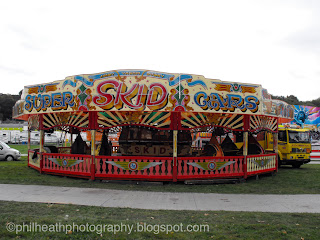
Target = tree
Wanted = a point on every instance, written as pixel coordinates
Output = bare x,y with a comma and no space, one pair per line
7,101
293,100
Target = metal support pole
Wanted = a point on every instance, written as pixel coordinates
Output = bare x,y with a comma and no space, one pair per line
245,153
93,150
71,138
29,140
41,149
29,143
246,127
175,155
275,148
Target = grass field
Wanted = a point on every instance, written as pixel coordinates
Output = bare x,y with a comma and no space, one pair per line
23,148
221,224
215,225
305,180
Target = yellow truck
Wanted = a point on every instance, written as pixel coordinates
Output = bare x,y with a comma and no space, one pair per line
294,145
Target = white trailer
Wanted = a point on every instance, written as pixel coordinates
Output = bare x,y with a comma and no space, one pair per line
34,137
15,136
5,136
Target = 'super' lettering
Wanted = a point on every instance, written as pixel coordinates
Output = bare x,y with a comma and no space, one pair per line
55,101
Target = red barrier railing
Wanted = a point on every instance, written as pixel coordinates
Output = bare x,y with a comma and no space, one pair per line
257,164
133,167
152,168
33,160
315,153
69,164
209,167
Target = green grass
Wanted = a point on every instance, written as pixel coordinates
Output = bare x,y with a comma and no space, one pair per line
222,225
23,148
305,180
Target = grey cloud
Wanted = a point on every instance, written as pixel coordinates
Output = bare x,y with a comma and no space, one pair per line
27,40
307,39
12,70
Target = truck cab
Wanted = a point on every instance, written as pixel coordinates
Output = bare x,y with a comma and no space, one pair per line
294,145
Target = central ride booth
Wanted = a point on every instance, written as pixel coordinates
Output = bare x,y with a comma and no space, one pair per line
156,116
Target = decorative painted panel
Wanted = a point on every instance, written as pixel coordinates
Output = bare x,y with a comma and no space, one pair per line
110,119
195,120
142,90
66,119
263,123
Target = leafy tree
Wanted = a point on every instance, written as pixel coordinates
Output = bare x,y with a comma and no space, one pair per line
7,101
293,100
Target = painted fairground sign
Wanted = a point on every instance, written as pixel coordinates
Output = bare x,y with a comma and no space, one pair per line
277,108
140,90
306,116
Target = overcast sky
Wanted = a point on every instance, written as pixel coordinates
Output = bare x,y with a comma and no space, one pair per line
272,43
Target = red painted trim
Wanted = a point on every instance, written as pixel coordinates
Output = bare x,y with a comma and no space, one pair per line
41,162
71,173
210,158
246,123
41,121
34,167
209,176
93,121
175,170
245,168
175,118
137,177
93,168
262,171
68,175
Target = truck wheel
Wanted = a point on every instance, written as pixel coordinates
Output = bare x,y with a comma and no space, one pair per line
9,158
296,165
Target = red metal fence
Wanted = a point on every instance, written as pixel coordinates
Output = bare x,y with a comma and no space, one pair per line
129,167
67,164
257,164
152,168
209,167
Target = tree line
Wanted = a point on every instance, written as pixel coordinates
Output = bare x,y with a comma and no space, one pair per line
293,100
7,101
